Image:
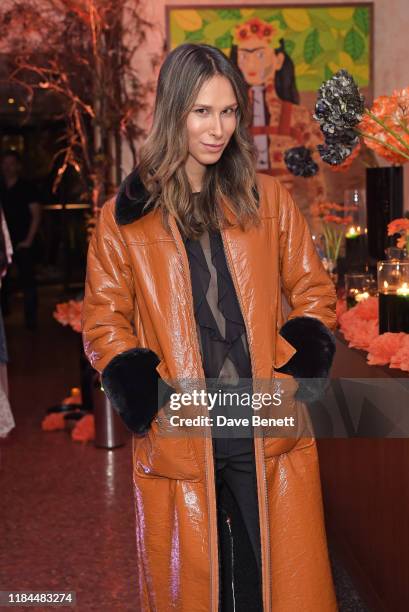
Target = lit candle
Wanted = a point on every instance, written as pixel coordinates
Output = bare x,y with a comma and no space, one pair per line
361,296
355,248
353,232
403,290
394,310
393,285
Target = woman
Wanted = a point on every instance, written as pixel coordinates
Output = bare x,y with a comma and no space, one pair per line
184,281
7,422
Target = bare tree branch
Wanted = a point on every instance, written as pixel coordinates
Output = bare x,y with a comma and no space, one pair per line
83,52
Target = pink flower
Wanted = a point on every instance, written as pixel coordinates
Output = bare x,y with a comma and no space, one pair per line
347,320
367,309
384,347
360,336
401,358
61,313
69,313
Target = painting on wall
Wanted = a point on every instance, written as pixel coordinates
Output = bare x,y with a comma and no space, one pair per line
285,53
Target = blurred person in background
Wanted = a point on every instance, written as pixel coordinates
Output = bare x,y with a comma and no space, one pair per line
22,211
6,416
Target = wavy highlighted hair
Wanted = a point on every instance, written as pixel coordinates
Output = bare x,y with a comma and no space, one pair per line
165,151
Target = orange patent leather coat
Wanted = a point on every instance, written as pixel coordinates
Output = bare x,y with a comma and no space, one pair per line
138,294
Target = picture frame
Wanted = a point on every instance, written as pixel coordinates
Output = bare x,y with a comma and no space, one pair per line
285,52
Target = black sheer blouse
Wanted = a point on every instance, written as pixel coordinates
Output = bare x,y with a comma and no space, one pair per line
220,326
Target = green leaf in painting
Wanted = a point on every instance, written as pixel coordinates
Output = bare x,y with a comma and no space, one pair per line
229,14
218,28
361,19
274,17
354,44
328,74
208,15
289,46
312,47
224,42
195,36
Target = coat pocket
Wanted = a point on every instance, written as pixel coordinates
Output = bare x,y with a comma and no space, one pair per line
282,439
299,434
160,454
283,351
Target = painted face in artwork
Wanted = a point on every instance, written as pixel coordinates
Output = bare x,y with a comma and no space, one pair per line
258,61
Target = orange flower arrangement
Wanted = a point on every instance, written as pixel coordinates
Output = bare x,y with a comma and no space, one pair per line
385,128
331,223
400,226
69,313
84,431
359,325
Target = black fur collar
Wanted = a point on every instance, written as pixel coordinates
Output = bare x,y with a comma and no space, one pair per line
132,197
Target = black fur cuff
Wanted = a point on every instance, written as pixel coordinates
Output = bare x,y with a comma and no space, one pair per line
315,346
130,381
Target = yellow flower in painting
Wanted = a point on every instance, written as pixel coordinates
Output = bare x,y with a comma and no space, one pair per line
297,19
342,14
303,69
346,62
188,20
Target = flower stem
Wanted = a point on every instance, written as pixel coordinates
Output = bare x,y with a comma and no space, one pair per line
404,126
387,129
384,144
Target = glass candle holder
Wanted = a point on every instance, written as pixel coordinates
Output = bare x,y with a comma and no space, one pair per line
356,233
358,287
393,288
355,209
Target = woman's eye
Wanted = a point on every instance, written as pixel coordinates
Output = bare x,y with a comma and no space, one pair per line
202,111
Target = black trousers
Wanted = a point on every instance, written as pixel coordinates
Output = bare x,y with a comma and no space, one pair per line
238,525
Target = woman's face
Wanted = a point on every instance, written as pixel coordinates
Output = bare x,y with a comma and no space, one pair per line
211,121
258,62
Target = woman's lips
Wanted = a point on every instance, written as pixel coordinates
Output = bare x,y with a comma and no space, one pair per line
212,147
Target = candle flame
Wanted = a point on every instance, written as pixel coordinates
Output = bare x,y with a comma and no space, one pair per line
361,296
352,231
403,289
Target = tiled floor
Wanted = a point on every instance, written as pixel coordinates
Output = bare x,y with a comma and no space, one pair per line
66,509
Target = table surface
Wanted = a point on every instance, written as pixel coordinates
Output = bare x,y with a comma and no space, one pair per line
352,363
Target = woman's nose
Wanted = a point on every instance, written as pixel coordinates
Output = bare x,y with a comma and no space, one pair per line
217,126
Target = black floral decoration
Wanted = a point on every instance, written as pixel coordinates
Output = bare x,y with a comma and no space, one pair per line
339,108
334,154
299,162
339,102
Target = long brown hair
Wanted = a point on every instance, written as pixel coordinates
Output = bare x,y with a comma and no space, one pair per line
163,155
